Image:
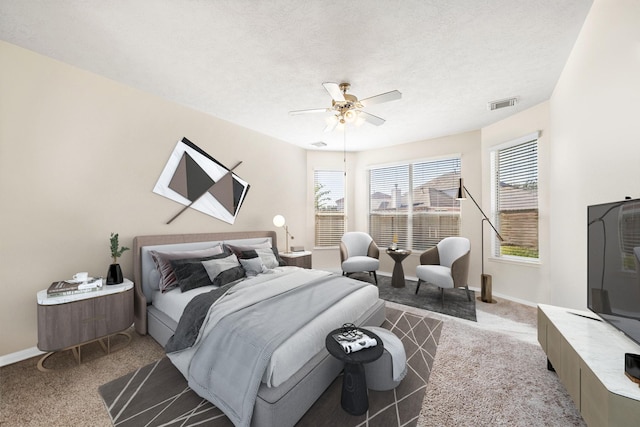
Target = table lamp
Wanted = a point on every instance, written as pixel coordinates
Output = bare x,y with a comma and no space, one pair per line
279,221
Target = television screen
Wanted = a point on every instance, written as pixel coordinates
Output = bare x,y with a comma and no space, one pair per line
614,264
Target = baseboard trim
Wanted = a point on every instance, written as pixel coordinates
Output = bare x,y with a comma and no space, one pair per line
473,288
19,356
507,297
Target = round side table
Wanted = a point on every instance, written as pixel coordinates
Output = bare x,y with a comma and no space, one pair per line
355,399
397,279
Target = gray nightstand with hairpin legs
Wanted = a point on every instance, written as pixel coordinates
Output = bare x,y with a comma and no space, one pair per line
67,322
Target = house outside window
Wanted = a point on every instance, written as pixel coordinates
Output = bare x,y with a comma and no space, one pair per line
329,206
414,205
515,198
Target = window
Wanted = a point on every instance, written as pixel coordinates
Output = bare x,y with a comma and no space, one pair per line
515,173
414,204
329,207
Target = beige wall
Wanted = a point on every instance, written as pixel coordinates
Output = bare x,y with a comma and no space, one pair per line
595,150
79,157
80,154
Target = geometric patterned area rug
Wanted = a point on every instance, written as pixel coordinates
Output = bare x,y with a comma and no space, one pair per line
158,395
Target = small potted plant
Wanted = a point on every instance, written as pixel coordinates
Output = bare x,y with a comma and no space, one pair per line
114,275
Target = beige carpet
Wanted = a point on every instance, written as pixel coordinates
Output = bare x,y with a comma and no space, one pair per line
491,372
494,373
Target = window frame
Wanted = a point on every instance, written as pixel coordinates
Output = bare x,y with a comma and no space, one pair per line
495,252
338,235
413,214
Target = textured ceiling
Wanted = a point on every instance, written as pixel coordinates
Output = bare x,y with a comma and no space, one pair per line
250,62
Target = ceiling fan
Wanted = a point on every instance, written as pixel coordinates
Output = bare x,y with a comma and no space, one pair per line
346,108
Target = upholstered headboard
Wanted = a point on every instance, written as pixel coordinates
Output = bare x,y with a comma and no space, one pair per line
142,261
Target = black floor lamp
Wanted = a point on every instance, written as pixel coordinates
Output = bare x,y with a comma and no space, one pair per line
485,279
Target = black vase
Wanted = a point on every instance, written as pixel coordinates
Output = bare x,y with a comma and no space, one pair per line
114,275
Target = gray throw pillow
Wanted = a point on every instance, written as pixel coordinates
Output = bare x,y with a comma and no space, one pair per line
168,279
253,266
268,258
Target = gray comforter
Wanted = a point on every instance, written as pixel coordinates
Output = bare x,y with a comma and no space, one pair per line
241,330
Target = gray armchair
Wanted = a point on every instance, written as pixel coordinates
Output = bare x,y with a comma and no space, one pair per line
446,265
358,252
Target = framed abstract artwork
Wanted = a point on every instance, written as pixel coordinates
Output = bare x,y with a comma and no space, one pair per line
196,180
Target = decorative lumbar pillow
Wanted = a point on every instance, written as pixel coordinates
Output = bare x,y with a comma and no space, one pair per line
228,276
253,266
239,249
263,250
214,267
163,260
190,273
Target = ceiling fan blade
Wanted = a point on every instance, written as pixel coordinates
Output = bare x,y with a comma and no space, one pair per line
331,126
334,91
383,97
374,120
332,122
314,110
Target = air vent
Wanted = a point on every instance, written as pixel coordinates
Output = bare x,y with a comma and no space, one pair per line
503,103
319,144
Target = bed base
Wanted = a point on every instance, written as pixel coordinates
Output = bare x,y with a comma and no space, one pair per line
286,404
276,406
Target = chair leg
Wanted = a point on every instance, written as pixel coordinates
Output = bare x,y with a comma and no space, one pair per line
375,276
468,294
418,287
442,293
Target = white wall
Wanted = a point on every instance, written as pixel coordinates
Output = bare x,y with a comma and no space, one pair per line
595,148
79,157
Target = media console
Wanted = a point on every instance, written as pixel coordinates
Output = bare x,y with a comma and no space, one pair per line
588,356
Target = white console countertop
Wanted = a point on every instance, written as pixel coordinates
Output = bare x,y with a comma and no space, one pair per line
43,299
599,345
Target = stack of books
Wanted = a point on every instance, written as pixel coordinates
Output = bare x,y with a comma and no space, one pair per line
354,340
70,287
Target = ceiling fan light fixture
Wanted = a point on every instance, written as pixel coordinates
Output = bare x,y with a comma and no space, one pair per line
350,116
347,109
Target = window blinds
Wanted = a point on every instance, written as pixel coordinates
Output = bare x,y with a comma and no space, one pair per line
389,205
516,201
414,204
329,202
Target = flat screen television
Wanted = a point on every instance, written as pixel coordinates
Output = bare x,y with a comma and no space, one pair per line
614,264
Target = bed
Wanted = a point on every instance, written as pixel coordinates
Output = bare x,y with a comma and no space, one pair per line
299,368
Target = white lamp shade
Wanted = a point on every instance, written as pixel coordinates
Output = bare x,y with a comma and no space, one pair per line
278,220
350,116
